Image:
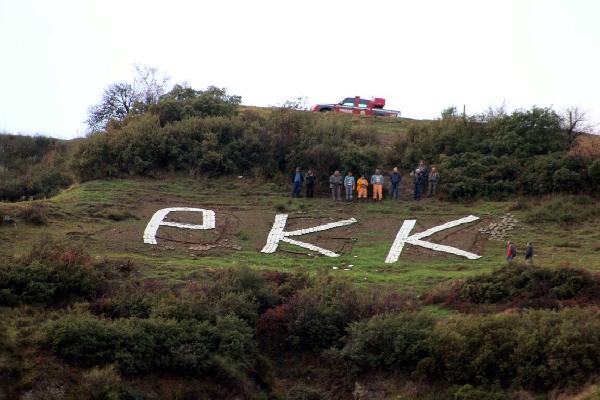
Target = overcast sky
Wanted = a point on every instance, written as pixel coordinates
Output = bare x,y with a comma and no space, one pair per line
422,56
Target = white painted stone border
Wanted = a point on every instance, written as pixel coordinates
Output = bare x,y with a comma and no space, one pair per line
277,234
157,220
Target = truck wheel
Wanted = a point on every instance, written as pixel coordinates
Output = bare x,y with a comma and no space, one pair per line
325,110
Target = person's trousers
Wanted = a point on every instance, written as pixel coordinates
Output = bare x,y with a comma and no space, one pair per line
432,188
310,190
362,193
297,188
349,191
395,190
417,195
336,192
377,192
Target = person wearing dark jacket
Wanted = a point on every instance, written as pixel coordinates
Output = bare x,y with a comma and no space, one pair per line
420,177
297,179
395,179
529,253
310,184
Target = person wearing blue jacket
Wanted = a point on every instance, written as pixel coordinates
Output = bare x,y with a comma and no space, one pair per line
349,185
395,179
297,179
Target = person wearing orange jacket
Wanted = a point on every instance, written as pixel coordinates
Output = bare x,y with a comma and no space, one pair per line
361,187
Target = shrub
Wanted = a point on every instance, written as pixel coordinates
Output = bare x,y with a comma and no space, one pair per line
84,341
530,285
534,349
52,274
388,341
225,348
35,214
594,173
537,350
314,318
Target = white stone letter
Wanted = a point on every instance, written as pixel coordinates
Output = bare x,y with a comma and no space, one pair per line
208,222
277,235
403,237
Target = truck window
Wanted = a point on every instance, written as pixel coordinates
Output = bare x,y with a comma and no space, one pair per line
348,102
363,103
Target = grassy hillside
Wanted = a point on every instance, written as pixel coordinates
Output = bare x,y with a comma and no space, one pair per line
89,311
107,219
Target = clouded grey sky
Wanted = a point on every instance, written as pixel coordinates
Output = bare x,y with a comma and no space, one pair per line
422,56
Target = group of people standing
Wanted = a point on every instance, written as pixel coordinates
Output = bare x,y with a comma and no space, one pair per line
422,177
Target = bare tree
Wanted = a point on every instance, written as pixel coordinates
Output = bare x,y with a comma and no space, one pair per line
574,123
117,102
150,83
122,98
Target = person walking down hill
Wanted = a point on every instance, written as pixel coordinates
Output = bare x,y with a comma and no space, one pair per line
297,179
419,177
395,179
529,253
310,183
335,184
361,187
349,185
377,183
434,178
511,251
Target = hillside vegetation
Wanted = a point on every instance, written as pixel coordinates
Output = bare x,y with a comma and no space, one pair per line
89,311
205,133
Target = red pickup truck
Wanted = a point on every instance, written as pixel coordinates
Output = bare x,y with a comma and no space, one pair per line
358,106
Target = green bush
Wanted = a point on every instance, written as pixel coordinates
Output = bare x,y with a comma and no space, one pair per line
594,173
32,166
388,341
313,319
536,350
84,341
527,284
139,346
35,214
52,274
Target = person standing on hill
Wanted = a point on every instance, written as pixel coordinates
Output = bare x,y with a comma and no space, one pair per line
529,253
511,251
434,177
395,179
377,183
335,184
419,177
310,184
361,187
349,185
297,179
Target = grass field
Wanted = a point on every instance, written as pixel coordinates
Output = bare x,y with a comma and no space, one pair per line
108,219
